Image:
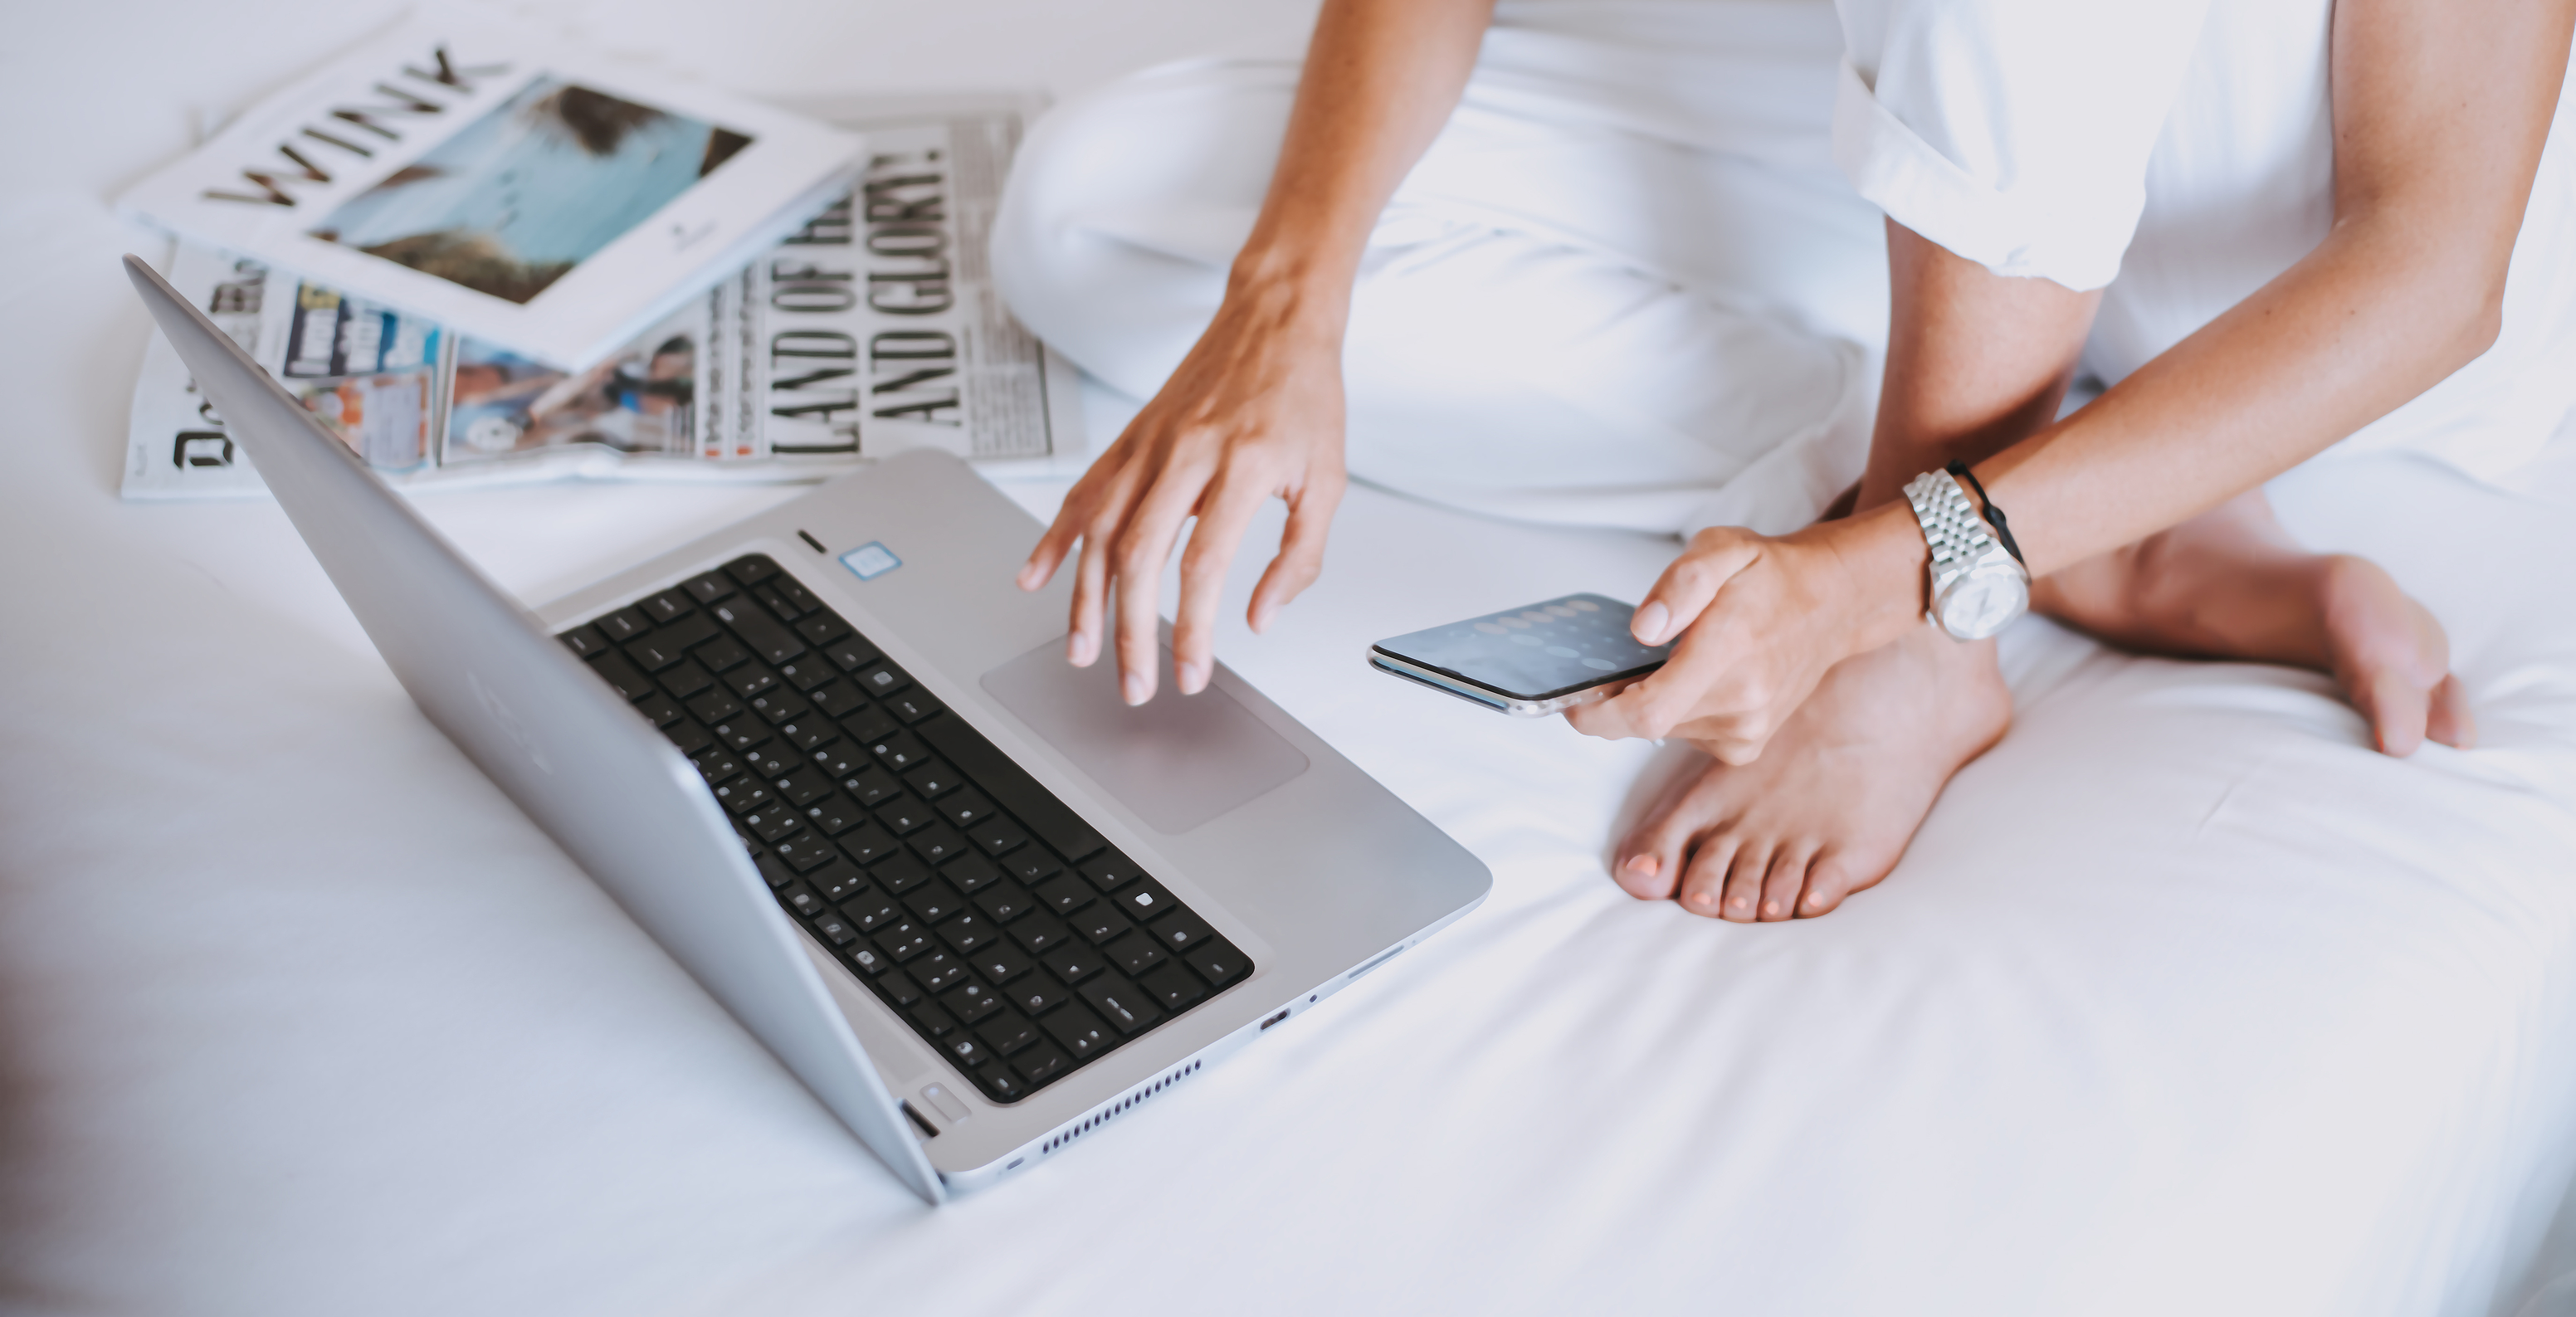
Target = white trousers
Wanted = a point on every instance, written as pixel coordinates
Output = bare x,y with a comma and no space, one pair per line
1626,286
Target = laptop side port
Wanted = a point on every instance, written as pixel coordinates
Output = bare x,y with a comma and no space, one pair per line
1283,1014
920,1122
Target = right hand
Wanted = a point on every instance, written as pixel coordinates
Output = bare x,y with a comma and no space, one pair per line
1255,410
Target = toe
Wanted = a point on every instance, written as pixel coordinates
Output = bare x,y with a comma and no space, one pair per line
1780,887
1831,878
1744,884
1704,885
2397,709
2449,721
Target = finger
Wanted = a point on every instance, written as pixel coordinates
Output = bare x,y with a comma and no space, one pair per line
1080,504
1090,593
1301,547
1691,581
1224,511
1137,559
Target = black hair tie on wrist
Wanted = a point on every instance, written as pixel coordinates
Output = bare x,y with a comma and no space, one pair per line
1994,515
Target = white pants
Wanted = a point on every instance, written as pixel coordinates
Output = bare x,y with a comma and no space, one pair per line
1626,286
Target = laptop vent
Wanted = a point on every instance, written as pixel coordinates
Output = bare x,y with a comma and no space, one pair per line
1114,1109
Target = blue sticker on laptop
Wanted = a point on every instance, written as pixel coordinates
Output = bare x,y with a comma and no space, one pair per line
871,560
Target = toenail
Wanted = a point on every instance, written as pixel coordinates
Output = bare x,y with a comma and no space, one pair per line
1815,902
1770,907
1739,903
1704,899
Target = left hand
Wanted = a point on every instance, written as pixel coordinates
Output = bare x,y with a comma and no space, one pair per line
1761,619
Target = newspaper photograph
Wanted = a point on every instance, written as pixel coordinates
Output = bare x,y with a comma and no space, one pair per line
470,170
872,329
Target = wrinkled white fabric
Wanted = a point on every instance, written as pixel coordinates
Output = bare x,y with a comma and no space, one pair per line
2181,154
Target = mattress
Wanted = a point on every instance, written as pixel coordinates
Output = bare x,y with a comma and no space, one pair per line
2184,1000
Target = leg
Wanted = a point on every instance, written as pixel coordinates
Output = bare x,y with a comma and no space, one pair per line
1975,362
2232,584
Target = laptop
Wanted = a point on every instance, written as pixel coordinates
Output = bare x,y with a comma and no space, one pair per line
832,759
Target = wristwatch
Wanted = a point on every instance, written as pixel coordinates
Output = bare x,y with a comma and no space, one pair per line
1978,583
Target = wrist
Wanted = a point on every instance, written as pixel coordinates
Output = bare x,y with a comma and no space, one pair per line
1883,558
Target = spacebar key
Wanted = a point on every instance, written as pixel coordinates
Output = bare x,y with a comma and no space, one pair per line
1011,786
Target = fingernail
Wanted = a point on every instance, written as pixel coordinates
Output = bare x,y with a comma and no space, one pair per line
1080,649
1192,676
1648,625
1134,687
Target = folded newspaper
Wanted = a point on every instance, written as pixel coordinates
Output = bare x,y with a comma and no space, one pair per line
503,184
871,329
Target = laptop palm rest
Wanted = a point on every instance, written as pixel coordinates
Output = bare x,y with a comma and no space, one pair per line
1177,761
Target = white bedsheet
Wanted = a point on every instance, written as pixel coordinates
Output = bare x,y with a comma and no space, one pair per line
2184,1001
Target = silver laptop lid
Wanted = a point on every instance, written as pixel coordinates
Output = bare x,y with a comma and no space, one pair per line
607,787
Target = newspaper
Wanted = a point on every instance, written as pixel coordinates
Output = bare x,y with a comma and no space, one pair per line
531,194
872,329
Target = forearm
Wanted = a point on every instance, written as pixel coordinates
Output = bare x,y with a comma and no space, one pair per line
1381,78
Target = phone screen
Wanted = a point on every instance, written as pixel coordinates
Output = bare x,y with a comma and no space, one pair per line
1536,653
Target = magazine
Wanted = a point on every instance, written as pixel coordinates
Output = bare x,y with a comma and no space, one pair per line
872,329
475,173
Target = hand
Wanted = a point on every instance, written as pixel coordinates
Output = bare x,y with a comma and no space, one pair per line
1255,410
1761,619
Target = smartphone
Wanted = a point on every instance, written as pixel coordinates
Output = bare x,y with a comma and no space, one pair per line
1527,661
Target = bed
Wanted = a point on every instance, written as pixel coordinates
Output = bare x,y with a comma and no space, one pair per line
2183,1000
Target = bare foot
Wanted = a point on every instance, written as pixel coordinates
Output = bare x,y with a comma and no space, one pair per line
1829,807
2232,584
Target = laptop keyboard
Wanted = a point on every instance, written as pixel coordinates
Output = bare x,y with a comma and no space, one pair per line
1010,933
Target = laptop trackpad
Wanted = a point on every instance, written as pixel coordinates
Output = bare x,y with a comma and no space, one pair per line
1177,762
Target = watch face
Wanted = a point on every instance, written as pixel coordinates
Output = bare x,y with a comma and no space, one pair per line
1982,604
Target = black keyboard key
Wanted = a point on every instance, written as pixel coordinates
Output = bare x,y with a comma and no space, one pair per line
899,873
1038,993
937,969
1000,902
772,821
936,842
778,604
967,933
1100,923
822,629
1145,900
933,901
965,809
722,655
870,961
1174,988
913,705
621,674
1007,1033
802,899
933,1021
795,592
1181,931
1121,1003
780,706
804,786
625,624
850,655
1064,895
838,881
708,588
744,793
838,699
1218,962
669,604
836,926
999,962
997,836
809,735
771,871
584,640
688,736
900,989
1134,953
1040,1064
869,726
663,648
932,779
1111,872
867,843
871,786
739,732
898,751
768,640
1011,787
661,708
904,816
751,568
1034,865
971,872
903,940
1081,1032
687,681
771,761
749,680
804,852
806,673
717,765
834,815
999,1083
1073,963
715,706
971,1001
870,910
882,679
1040,933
